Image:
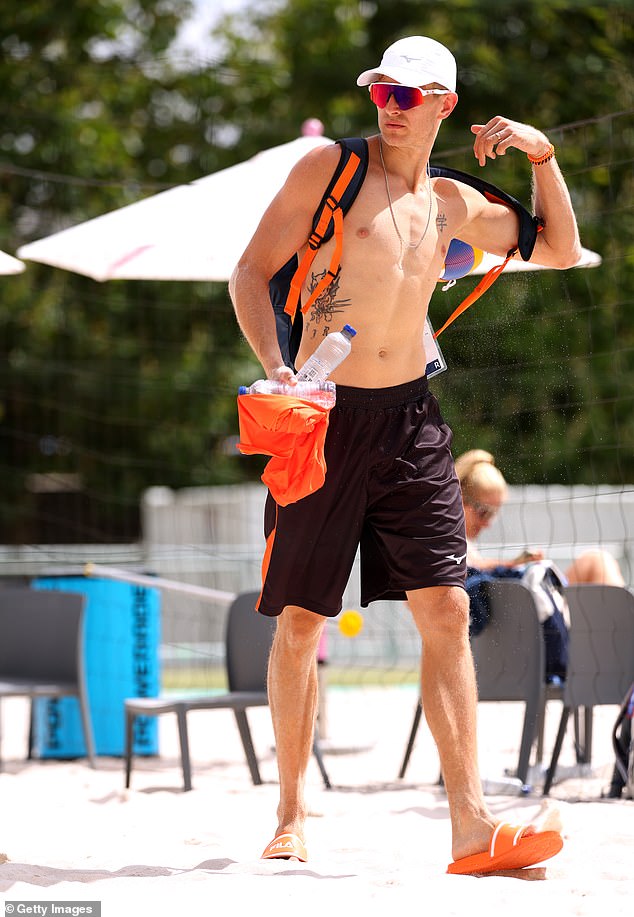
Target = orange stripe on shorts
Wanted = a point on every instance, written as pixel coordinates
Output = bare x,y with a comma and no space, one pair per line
266,559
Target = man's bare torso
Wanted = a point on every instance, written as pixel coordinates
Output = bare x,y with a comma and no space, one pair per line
383,287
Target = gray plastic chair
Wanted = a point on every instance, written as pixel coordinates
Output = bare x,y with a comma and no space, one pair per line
42,650
248,641
510,661
601,664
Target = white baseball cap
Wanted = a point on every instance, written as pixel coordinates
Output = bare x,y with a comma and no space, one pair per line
415,61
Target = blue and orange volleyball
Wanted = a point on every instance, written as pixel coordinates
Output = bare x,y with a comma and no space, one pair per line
461,260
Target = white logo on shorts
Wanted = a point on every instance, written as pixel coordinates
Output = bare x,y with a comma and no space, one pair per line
458,560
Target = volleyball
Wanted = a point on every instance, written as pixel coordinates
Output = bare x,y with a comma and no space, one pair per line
461,259
350,623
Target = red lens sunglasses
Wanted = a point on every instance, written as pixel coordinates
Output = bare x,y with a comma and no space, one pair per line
405,96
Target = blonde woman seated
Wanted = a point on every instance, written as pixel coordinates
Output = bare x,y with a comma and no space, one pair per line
484,492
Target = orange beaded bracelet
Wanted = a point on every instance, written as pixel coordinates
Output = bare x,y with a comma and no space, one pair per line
540,160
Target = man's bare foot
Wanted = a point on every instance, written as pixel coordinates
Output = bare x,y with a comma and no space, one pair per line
547,819
475,840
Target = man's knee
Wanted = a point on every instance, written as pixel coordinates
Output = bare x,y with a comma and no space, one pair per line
440,610
299,629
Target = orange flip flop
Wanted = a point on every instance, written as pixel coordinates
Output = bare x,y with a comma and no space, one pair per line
285,847
510,848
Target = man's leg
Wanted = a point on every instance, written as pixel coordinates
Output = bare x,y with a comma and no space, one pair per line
293,691
448,689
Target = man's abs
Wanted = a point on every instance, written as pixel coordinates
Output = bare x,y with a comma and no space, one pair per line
382,289
388,347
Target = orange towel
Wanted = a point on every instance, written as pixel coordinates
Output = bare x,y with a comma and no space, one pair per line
293,432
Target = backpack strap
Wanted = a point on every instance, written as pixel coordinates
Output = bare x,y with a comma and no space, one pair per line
528,229
328,220
489,278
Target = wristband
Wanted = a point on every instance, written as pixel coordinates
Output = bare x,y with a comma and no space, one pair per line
540,160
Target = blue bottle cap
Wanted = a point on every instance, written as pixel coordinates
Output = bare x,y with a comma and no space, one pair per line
350,330
243,390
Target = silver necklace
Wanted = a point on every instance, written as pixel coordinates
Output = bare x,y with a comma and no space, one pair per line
411,245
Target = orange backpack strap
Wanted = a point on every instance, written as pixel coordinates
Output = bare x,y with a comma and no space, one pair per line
489,278
285,286
329,219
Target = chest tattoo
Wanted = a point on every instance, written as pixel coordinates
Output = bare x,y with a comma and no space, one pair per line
326,306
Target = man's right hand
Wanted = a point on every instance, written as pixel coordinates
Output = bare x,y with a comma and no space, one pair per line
283,374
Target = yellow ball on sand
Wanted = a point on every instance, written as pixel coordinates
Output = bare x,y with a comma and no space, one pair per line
350,623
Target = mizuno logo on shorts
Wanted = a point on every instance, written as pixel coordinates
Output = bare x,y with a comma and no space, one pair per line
457,560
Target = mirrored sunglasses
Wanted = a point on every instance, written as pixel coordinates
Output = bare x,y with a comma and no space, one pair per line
405,96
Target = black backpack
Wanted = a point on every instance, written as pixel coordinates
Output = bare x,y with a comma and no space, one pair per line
285,286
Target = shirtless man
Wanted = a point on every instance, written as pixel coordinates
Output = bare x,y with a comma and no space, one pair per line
390,483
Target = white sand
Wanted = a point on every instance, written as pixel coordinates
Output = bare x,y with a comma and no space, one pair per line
376,844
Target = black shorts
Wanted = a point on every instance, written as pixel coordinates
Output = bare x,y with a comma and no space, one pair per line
390,488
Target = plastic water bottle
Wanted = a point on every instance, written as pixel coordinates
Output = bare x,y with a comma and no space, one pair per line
321,393
331,352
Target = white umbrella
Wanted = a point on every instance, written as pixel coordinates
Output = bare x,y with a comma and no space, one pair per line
10,265
190,232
